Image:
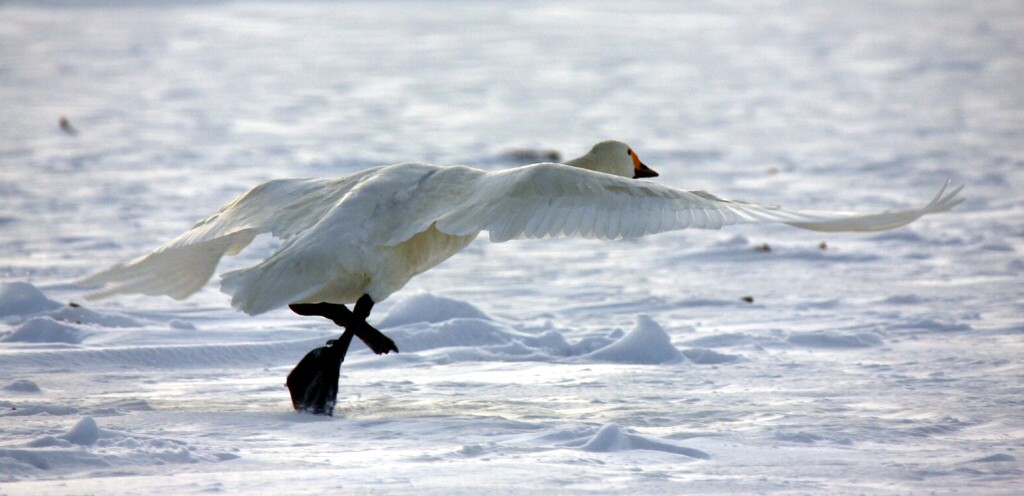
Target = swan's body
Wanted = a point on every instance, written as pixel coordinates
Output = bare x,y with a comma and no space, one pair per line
366,235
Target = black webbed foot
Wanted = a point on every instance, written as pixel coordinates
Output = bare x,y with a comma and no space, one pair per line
354,321
313,383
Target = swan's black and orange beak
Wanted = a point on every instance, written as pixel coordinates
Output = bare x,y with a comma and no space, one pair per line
639,169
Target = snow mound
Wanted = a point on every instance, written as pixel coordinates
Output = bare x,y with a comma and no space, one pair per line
84,433
430,308
121,407
722,340
482,339
611,438
49,321
704,356
646,344
22,298
79,315
797,437
834,340
479,339
902,299
932,325
19,463
45,330
589,344
86,446
181,325
22,386
999,457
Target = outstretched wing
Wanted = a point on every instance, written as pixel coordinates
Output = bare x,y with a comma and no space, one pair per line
283,208
551,200
387,206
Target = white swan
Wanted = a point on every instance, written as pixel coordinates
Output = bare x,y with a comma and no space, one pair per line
362,237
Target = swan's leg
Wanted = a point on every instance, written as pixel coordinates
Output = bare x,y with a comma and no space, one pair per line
313,383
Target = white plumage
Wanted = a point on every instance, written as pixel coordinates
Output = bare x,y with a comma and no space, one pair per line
371,232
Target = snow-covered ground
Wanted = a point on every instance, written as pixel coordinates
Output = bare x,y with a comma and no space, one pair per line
888,363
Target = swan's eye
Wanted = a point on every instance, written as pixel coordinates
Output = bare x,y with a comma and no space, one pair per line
629,151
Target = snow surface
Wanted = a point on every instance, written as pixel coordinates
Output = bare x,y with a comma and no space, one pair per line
688,362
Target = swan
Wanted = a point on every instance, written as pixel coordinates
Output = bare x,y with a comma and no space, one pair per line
359,238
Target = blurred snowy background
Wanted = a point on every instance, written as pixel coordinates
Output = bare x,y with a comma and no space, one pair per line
886,363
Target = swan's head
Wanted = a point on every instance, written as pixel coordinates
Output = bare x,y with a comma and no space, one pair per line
615,158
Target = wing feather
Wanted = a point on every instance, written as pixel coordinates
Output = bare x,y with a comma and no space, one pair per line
386,206
552,200
283,208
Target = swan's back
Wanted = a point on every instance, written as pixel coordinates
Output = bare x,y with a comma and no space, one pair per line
373,239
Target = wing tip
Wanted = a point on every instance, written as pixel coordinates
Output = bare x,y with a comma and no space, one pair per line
945,200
